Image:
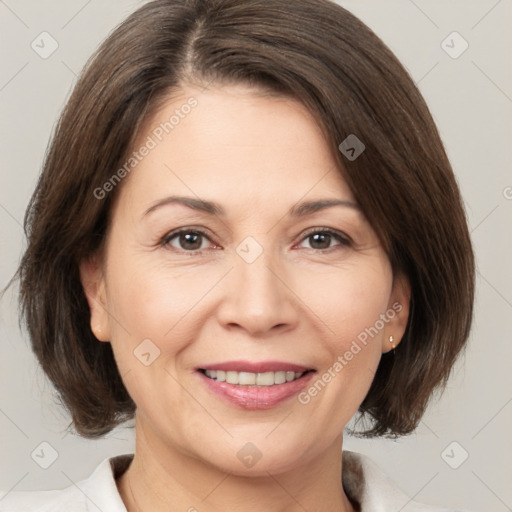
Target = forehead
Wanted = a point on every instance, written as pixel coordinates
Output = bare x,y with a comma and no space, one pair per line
237,144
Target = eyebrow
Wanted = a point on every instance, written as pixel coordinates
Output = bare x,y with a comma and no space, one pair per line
213,208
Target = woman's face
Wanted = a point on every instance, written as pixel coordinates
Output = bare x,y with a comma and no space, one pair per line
246,288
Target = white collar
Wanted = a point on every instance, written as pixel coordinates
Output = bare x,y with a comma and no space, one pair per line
363,481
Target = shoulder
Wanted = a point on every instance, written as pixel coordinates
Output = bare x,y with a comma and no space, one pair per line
97,492
367,485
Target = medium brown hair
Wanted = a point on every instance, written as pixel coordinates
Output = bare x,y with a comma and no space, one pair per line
311,50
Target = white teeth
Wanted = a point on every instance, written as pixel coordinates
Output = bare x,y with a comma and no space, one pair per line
246,379
279,377
265,379
232,377
253,379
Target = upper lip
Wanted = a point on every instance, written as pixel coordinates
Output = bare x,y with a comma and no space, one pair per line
254,367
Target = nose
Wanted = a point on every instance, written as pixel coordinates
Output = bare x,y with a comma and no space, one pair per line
257,297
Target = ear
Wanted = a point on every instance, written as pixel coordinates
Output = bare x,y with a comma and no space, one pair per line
93,282
397,313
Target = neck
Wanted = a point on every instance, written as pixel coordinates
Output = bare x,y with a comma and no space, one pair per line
161,477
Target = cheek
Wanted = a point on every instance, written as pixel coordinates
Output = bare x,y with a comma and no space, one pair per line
152,309
147,297
350,299
352,310
149,301
352,344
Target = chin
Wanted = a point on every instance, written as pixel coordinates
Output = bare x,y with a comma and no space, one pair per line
243,457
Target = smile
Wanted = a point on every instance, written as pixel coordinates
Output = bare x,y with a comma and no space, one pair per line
253,379
254,386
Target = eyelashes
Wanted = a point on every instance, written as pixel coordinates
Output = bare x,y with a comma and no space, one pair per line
195,238
344,240
193,235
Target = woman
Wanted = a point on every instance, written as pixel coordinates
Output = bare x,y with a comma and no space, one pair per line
246,231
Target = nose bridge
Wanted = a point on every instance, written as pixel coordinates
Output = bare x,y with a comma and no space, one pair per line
256,296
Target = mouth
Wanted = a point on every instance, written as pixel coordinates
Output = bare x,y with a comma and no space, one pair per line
260,379
255,386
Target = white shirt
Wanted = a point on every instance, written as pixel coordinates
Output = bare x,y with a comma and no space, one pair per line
363,481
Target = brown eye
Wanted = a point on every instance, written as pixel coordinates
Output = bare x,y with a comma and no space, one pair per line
187,240
322,239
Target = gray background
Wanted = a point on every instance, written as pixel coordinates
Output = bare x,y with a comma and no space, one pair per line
471,100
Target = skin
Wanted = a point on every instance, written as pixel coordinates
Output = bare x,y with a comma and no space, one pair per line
301,301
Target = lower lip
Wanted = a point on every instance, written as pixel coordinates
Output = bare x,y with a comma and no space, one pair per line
256,397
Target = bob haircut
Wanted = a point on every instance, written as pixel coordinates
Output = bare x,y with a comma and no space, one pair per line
313,51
